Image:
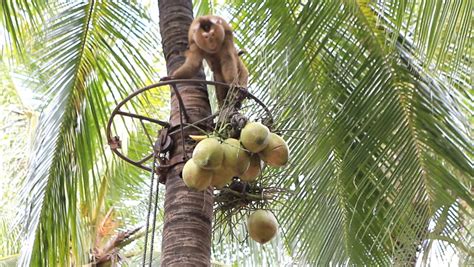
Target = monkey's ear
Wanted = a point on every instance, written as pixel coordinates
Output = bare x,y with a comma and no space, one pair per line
196,26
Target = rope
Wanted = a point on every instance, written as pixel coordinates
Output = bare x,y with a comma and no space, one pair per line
154,219
150,197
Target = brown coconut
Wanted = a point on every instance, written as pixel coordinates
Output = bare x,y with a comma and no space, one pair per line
254,136
235,156
208,154
195,177
254,170
276,153
262,226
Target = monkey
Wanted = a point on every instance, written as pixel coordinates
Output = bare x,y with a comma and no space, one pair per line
211,38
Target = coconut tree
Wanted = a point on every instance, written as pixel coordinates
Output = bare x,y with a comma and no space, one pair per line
188,214
372,96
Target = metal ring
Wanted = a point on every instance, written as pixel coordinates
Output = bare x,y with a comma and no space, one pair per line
172,83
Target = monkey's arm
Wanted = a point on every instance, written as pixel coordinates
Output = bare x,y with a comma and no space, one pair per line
243,73
191,65
221,91
229,68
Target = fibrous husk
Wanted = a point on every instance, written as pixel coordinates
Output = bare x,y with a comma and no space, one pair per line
254,169
196,178
235,156
262,226
276,153
208,154
254,136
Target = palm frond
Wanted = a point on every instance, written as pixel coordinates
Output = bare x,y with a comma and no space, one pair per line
10,245
204,7
94,52
21,20
440,32
379,138
17,122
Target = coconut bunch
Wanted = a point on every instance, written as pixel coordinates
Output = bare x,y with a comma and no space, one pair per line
215,162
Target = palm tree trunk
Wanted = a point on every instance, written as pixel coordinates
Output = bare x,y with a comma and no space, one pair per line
186,239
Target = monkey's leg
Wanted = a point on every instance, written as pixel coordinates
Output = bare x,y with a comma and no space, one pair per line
221,91
191,65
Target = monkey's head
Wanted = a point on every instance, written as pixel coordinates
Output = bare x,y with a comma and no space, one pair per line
209,33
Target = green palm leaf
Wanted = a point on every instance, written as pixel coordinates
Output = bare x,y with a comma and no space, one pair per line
380,141
440,32
90,56
21,20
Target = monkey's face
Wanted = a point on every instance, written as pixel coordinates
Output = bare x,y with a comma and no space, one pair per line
209,36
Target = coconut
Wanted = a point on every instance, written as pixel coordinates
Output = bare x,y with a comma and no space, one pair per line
254,169
195,177
276,153
222,176
254,136
235,156
208,154
262,226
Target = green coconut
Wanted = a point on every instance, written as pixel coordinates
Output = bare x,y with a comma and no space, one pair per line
235,156
196,178
208,154
276,153
262,226
254,136
254,170
222,176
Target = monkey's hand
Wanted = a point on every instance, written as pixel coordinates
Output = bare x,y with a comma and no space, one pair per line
166,78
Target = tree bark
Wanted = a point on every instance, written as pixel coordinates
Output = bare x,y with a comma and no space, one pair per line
186,239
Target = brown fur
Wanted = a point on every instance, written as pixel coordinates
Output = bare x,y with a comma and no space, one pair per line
211,38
